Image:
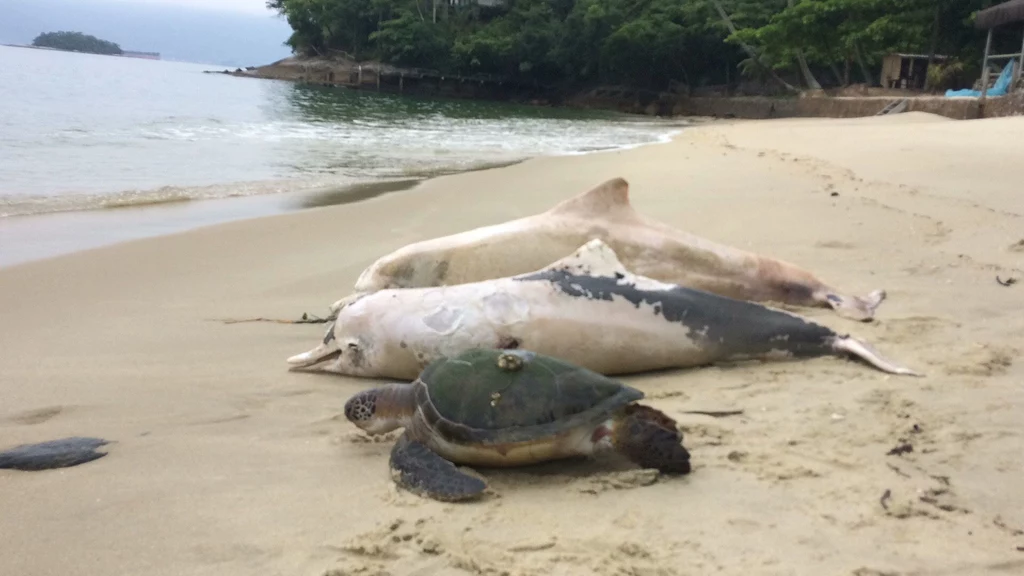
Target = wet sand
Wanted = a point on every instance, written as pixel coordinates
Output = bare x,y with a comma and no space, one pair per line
225,463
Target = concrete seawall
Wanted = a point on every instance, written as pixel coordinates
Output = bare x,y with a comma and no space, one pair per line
758,107
376,77
389,79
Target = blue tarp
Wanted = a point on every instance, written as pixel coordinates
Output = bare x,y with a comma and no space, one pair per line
999,89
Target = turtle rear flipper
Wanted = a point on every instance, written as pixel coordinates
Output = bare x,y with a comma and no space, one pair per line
421,471
650,438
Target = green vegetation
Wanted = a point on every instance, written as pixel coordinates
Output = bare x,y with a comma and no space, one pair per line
76,42
651,44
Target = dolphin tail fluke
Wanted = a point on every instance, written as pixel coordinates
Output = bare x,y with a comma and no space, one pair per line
327,350
864,351
860,308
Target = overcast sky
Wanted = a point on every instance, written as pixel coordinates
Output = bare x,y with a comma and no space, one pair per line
232,33
245,6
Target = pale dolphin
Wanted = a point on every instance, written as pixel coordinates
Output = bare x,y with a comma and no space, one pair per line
646,246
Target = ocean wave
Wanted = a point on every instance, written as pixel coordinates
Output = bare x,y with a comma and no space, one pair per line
429,165
17,205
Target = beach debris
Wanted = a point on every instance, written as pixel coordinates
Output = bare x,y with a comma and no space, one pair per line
941,499
737,456
306,319
533,546
1001,524
902,448
1008,282
884,500
896,469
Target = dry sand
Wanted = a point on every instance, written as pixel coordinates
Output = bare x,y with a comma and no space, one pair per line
227,464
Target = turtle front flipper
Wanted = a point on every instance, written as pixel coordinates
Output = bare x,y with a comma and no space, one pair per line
422,471
650,438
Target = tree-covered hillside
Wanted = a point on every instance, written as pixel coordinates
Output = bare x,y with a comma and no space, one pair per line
642,43
76,41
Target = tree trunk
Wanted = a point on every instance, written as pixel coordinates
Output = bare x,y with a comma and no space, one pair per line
748,49
863,67
932,46
846,71
805,70
836,73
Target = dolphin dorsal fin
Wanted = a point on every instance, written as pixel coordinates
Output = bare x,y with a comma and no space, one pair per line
611,196
595,258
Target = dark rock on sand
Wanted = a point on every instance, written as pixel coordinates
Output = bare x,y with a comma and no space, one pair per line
62,453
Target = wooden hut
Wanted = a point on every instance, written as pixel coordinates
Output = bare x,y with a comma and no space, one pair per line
907,71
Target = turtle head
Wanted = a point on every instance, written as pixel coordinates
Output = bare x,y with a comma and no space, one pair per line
651,439
381,410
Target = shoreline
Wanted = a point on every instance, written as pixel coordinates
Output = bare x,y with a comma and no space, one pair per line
127,53
46,235
100,227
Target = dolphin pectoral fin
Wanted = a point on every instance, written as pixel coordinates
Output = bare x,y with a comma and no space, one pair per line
854,307
864,351
327,350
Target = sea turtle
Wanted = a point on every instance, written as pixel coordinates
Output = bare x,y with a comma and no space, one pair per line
503,407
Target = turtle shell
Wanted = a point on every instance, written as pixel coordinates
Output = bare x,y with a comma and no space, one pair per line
514,395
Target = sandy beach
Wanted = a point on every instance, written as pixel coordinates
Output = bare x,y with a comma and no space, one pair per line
224,463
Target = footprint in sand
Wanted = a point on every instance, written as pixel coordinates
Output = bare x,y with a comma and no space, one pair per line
400,548
912,328
836,244
982,360
37,416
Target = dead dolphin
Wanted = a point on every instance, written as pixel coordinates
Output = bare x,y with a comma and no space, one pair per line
647,247
587,309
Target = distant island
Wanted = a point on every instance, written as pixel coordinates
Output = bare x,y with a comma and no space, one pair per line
76,42
84,43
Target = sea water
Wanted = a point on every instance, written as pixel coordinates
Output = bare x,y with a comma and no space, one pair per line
98,149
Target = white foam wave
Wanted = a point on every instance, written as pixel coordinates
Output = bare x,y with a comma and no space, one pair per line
31,205
431,155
